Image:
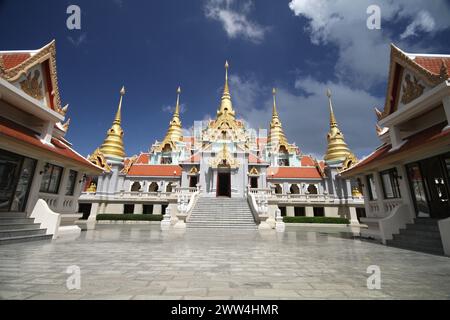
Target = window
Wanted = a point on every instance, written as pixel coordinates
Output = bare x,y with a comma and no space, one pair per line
418,190
135,187
70,187
319,211
51,179
312,189
283,162
16,175
294,189
282,211
299,211
128,208
391,187
147,209
371,186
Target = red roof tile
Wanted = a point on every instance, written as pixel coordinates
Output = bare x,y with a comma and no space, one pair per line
143,158
23,134
293,172
254,159
10,60
307,161
414,143
432,64
150,170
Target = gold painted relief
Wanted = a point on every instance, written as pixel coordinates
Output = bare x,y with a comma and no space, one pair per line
32,85
412,89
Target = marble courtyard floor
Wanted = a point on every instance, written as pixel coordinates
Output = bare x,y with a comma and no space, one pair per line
141,262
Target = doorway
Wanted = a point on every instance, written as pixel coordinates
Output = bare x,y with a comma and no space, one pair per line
193,180
429,184
223,184
254,182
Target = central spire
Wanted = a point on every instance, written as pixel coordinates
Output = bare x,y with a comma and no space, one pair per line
337,147
175,132
112,147
276,134
226,107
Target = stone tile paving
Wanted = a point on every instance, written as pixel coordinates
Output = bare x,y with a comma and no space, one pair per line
141,262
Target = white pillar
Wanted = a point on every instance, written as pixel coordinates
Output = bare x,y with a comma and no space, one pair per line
290,211
380,192
138,208
396,140
157,209
309,212
35,186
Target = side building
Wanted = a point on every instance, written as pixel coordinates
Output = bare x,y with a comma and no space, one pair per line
36,160
406,179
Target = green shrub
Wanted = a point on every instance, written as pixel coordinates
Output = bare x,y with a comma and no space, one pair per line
129,217
316,220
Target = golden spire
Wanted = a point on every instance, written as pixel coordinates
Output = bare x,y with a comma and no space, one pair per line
226,107
112,147
276,133
337,148
174,133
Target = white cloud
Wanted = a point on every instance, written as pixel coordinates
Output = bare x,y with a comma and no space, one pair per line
423,22
234,19
305,117
363,54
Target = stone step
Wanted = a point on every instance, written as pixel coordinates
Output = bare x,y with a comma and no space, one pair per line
420,233
9,220
13,215
414,247
16,226
423,227
212,226
17,239
425,221
21,232
428,242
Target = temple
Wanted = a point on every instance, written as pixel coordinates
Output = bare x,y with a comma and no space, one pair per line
222,158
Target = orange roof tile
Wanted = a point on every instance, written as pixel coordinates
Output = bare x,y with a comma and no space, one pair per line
254,159
150,170
433,64
307,161
293,172
10,60
415,142
25,135
143,158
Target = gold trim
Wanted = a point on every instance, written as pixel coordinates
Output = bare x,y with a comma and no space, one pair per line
46,53
99,160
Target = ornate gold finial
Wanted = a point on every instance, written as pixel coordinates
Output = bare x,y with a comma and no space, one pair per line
174,133
65,109
226,107
276,133
112,148
66,125
337,150
378,113
92,187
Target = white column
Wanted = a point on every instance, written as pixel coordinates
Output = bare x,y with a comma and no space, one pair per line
290,211
35,186
138,208
396,141
405,190
309,212
380,192
446,104
46,133
62,189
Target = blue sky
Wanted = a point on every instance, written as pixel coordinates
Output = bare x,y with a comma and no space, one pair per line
301,47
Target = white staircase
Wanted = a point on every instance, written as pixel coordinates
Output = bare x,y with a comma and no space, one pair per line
222,213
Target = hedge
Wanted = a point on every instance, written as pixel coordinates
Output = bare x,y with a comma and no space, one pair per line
316,220
130,217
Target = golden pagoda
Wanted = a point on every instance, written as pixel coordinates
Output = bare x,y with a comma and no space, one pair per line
112,148
337,150
276,133
225,115
175,132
